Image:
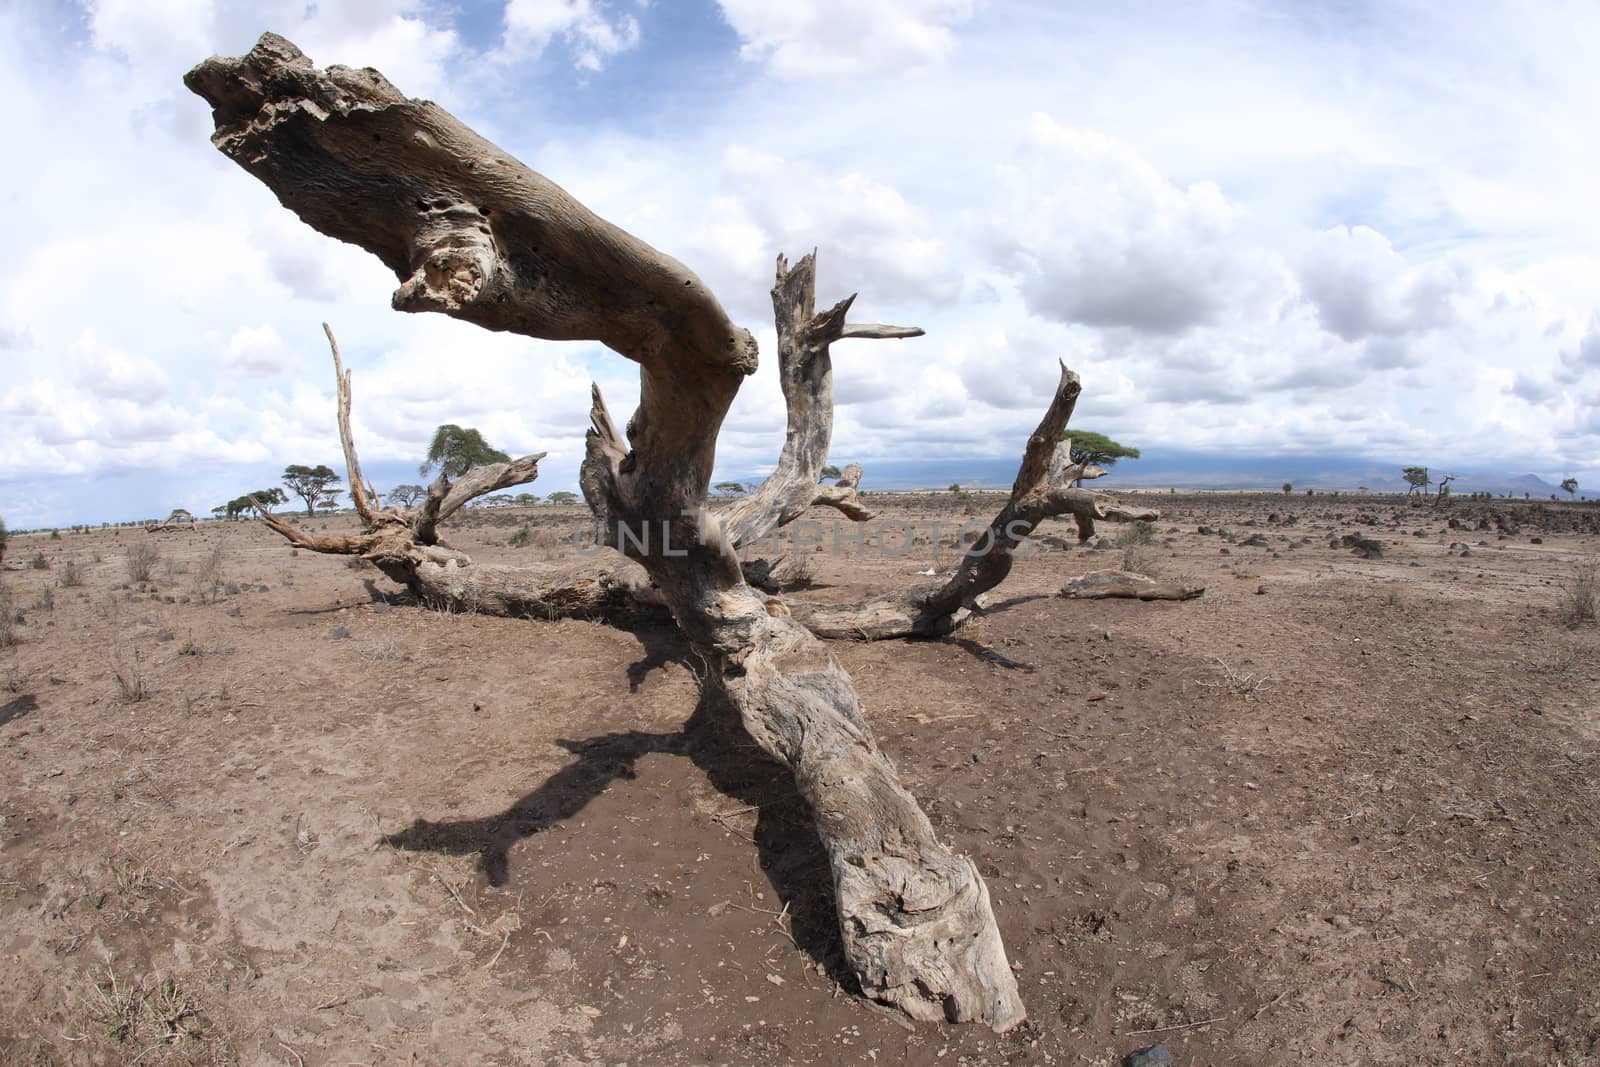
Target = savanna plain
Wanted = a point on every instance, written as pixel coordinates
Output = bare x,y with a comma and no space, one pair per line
258,807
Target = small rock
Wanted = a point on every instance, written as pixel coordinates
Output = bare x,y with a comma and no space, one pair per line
338,633
1536,540
1261,590
978,757
1154,1056
382,607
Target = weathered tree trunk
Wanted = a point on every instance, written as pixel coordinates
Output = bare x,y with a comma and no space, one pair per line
474,234
1109,585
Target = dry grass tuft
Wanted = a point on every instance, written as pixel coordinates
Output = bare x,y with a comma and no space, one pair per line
128,673
8,618
1580,594
71,573
208,577
794,572
1240,683
1138,532
385,650
141,561
144,1010
1140,559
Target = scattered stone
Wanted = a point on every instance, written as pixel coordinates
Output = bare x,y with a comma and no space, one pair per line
1224,551
1154,1056
338,633
1261,590
1536,540
1365,547
231,589
382,607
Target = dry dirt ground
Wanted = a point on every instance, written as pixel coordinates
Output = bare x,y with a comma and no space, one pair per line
1338,810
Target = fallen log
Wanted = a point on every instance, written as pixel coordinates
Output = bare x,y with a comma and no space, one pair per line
1111,585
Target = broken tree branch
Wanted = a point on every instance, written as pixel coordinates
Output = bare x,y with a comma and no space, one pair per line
805,373
1043,489
352,464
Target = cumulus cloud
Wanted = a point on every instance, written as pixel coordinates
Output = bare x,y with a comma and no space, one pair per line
876,242
1096,235
822,38
1250,263
1362,288
592,30
1583,357
165,37
256,350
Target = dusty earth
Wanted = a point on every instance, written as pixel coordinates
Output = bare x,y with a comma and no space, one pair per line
1339,810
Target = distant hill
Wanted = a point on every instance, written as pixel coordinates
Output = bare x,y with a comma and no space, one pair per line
1197,470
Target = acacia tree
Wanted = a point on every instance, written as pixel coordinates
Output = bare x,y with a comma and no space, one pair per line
1096,449
457,449
1416,478
1569,485
311,484
253,502
472,233
406,496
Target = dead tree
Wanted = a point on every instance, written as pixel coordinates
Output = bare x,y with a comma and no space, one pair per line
1043,489
472,233
180,519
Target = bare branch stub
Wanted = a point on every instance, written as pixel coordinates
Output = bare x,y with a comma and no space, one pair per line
474,234
805,373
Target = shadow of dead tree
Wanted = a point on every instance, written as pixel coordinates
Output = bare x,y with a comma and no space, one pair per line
715,741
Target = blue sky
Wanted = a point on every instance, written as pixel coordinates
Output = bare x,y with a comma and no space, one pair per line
1254,229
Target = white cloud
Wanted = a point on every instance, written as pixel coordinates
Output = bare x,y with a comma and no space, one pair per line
1361,287
822,38
594,31
1096,235
1246,232
257,350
